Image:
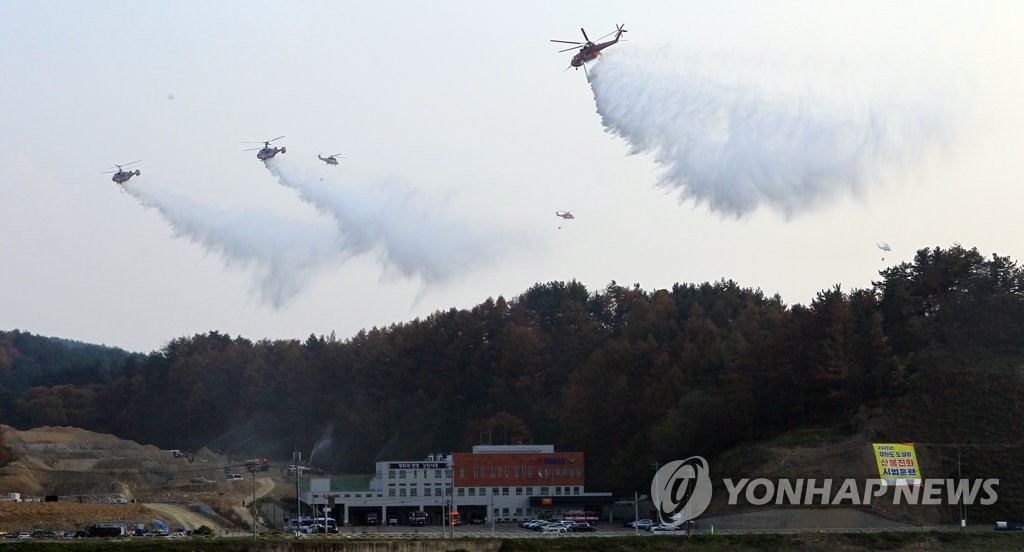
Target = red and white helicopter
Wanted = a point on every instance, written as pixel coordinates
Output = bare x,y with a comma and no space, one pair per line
588,51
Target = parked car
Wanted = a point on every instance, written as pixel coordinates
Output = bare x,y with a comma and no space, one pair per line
643,524
24,535
234,477
660,527
1009,526
554,528
582,528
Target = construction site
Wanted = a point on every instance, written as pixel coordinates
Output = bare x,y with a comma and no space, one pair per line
63,479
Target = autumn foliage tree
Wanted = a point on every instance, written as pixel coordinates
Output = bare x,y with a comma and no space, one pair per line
628,376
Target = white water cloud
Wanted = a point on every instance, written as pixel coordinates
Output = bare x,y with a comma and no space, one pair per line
735,135
283,253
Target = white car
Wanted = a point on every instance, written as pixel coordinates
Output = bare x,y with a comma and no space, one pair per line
661,527
554,529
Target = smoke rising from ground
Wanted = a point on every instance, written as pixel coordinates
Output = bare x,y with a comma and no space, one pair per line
735,137
413,235
284,253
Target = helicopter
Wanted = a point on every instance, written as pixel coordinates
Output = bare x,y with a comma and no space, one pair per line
266,152
567,215
589,51
330,159
883,247
121,176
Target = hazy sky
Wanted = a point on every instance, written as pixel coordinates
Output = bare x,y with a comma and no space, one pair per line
772,143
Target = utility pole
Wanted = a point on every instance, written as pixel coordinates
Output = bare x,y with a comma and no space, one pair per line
252,470
657,490
963,505
636,512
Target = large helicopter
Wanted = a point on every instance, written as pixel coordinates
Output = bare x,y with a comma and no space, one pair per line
567,215
588,51
120,175
330,159
266,152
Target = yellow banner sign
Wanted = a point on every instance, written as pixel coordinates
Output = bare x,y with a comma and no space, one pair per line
897,464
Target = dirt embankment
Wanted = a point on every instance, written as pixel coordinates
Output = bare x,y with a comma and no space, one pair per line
99,477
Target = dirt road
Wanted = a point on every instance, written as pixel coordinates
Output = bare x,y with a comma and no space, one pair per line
178,515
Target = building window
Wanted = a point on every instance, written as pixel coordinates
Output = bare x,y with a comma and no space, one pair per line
437,474
472,491
519,511
483,491
504,512
476,472
426,491
567,490
401,474
495,512
519,491
391,492
543,490
529,491
494,491
517,471
401,492
493,472
558,490
572,472
504,491
531,471
575,490
462,491
412,491
462,471
391,474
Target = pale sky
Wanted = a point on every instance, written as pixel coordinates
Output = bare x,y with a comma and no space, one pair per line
460,118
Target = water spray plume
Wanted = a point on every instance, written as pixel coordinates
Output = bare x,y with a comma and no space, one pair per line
410,231
736,137
283,253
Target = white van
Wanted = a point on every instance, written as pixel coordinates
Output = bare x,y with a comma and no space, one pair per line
234,477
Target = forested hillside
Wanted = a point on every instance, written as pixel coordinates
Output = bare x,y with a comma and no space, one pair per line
933,352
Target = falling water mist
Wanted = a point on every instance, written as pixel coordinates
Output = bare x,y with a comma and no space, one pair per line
737,135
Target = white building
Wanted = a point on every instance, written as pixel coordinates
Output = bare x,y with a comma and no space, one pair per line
499,482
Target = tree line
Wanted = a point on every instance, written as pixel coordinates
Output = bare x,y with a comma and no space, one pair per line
626,375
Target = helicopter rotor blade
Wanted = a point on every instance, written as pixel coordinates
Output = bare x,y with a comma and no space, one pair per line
567,49
252,149
278,138
567,41
584,34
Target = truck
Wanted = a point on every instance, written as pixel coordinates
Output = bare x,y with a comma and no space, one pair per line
257,464
371,518
417,519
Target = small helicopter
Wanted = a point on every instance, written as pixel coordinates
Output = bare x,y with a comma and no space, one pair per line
266,152
121,176
567,215
330,159
884,247
588,51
